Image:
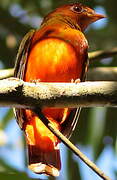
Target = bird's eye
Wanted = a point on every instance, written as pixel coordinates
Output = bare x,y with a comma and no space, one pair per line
77,9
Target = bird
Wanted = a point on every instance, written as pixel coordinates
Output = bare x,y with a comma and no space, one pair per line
55,52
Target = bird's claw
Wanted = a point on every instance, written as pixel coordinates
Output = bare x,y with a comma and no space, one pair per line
35,81
75,81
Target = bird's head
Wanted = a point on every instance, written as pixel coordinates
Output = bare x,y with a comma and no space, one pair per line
78,13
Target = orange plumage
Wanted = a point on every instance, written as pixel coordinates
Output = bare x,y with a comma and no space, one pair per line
57,52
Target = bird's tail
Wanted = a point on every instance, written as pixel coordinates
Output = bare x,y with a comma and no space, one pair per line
44,162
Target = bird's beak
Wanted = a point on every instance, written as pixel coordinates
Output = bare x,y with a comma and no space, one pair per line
99,16
90,18
96,16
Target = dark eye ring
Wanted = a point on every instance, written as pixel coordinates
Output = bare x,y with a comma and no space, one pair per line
77,9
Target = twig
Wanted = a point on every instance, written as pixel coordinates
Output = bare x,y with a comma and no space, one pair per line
6,73
70,145
102,74
20,94
102,54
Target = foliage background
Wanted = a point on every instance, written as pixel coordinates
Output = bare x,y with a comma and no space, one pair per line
96,132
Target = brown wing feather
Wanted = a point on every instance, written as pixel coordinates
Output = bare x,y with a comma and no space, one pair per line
22,54
21,60
69,125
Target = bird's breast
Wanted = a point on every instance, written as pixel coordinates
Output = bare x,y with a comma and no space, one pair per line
53,60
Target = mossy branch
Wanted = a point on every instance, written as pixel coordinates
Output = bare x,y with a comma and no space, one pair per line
17,93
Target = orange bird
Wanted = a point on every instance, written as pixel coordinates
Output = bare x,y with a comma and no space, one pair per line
56,52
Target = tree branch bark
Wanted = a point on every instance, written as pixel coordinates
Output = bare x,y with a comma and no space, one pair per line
102,54
17,93
6,73
102,74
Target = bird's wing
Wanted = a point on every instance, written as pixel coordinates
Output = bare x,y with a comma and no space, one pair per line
20,64
69,125
23,54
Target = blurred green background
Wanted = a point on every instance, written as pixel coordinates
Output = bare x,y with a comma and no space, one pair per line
96,132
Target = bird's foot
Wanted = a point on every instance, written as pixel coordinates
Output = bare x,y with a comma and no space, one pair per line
75,81
35,81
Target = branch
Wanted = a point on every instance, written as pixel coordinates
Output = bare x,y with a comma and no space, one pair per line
102,54
102,74
20,94
6,73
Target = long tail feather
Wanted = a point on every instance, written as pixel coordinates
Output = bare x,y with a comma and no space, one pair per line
44,162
